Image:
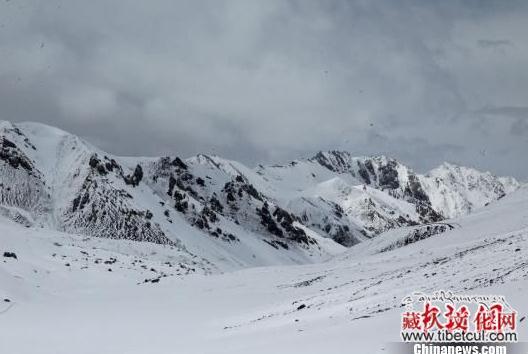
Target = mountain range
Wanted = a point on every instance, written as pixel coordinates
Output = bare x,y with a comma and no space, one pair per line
221,213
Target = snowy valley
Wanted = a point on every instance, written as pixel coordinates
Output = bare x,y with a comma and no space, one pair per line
115,254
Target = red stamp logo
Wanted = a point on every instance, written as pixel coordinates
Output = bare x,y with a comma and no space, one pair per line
445,316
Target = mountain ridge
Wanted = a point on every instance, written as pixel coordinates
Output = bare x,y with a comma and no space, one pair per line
221,209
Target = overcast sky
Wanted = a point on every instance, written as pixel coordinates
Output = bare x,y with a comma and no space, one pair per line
261,81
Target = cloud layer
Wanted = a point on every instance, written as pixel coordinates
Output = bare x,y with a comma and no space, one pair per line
260,81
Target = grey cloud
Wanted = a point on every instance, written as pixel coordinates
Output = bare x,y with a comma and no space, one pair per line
493,43
263,81
511,111
519,126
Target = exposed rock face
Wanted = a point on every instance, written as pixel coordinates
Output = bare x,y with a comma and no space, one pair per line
388,175
101,210
13,156
136,177
418,234
209,204
21,183
281,224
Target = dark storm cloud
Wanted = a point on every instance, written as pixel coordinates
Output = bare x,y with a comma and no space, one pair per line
272,80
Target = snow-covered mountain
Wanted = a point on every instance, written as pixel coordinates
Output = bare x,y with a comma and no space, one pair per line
456,190
446,191
55,180
220,212
376,194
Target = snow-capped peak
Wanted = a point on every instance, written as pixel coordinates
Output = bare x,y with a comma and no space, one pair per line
220,208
